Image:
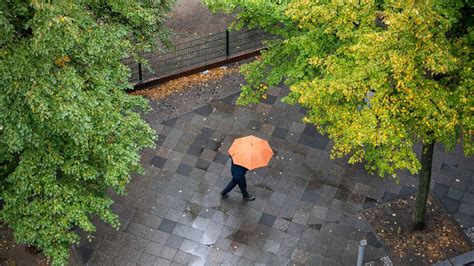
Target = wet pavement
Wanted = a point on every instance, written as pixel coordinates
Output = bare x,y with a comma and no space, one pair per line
307,210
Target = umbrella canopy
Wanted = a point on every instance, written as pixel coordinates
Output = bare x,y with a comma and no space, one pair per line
251,152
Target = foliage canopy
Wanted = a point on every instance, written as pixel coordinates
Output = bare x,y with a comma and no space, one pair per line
68,131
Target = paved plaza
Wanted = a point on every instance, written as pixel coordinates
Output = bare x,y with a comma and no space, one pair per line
308,207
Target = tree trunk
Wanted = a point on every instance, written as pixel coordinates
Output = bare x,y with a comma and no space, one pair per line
423,187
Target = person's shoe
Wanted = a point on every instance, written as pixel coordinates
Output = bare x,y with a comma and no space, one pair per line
249,198
224,196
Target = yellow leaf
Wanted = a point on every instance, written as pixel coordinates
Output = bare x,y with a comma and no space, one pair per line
61,61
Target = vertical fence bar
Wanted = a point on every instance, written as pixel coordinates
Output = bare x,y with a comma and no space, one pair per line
227,43
360,256
140,74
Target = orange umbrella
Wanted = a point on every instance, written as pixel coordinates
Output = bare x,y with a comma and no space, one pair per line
251,152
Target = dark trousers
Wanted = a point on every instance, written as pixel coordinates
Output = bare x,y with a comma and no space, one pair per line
234,182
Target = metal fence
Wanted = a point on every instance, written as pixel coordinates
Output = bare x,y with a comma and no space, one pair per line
196,53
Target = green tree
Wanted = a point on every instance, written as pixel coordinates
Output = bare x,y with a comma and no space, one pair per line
377,76
68,130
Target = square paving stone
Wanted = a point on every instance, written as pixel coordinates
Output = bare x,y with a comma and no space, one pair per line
167,226
85,253
207,132
159,139
281,224
440,190
295,229
245,262
168,253
154,248
373,241
147,259
313,142
184,170
271,246
188,246
221,158
300,256
182,257
202,251
285,251
310,130
162,262
170,122
202,164
254,125
127,253
160,237
407,190
241,236
465,220
174,241
204,111
139,230
369,202
174,215
466,208
451,205
455,194
280,132
195,150
468,197
213,145
188,232
336,247
464,259
267,219
470,186
217,256
200,141
181,147
316,260
447,169
389,196
300,217
310,196
158,161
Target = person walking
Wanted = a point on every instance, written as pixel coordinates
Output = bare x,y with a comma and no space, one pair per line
246,153
238,178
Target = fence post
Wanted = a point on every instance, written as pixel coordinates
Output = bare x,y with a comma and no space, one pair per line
361,254
227,43
140,74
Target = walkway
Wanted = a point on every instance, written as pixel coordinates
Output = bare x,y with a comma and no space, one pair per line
307,209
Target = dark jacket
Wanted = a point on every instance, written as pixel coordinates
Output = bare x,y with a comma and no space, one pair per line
237,170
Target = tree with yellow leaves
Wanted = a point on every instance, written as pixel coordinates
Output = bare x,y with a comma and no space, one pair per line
377,76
